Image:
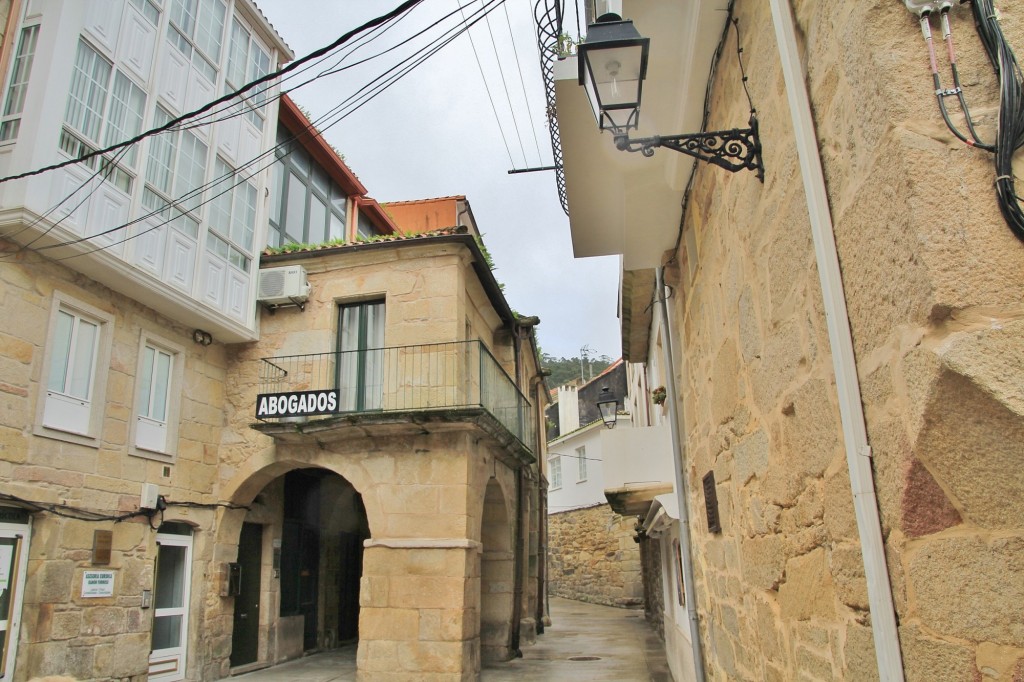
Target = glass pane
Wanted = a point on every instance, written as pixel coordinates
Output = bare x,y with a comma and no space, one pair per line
364,227
170,577
161,154
337,229
220,207
183,13
21,71
84,355
244,226
166,632
317,220
191,170
276,190
8,550
210,29
161,385
338,201
295,218
127,102
146,381
59,353
375,325
88,92
237,54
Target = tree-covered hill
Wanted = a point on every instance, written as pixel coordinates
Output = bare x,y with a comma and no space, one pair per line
567,370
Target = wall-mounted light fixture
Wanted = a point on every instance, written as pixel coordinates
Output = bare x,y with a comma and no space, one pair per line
609,407
202,338
612,68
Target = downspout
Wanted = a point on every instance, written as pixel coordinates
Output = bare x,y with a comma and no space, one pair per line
518,564
542,507
681,492
851,410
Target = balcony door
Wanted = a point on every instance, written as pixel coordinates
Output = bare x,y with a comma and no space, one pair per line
361,356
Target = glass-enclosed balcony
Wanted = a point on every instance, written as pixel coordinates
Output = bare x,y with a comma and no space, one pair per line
411,379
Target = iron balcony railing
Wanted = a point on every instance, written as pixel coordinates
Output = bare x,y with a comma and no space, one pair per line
435,376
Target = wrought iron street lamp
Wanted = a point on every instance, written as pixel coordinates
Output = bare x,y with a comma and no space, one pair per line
612,68
609,407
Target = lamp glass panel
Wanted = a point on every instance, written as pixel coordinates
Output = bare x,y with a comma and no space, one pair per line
616,73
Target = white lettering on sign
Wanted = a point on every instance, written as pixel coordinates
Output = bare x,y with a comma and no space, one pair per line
304,404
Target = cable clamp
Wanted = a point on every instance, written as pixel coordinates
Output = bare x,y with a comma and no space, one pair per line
1003,177
947,92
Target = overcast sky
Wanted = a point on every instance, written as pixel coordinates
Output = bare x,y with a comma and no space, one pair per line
434,133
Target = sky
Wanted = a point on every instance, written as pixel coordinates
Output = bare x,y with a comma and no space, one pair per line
435,133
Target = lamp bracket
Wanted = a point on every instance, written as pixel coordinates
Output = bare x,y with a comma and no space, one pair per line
733,150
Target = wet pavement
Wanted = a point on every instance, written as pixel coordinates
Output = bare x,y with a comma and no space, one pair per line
584,642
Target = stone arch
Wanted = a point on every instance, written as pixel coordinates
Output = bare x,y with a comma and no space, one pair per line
260,470
497,566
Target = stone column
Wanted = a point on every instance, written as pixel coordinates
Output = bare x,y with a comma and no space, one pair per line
420,601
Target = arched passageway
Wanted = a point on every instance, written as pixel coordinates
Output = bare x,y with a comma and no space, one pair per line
296,579
497,565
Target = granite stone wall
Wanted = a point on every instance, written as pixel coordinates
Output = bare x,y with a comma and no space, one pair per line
592,557
933,284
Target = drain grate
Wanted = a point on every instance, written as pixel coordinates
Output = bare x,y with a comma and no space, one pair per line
584,658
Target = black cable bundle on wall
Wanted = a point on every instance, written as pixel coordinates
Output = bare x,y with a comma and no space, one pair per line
1010,133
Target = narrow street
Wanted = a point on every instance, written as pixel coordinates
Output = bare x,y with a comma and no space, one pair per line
584,642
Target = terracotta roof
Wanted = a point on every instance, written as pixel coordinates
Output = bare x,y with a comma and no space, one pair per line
396,237
456,197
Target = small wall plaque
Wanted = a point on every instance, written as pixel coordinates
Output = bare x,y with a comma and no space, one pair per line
102,541
98,584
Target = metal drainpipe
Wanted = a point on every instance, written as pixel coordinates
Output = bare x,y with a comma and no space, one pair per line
680,479
517,566
851,410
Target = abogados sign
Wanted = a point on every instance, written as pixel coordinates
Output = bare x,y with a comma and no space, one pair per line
299,404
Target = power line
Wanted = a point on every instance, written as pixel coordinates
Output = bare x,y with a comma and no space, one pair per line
497,119
504,84
374,88
522,82
224,98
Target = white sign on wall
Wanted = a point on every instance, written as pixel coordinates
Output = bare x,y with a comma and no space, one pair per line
98,584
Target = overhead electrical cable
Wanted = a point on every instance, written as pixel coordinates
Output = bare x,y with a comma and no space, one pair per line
490,98
292,66
522,82
353,102
192,194
504,85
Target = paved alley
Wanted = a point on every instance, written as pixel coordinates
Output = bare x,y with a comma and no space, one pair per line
584,642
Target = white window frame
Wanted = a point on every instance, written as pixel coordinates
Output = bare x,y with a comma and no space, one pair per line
231,218
581,464
555,471
97,398
185,214
143,426
21,74
253,49
75,142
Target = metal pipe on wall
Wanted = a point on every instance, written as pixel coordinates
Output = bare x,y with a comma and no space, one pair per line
680,479
851,410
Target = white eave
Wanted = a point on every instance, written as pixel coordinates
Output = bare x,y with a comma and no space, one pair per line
663,513
622,202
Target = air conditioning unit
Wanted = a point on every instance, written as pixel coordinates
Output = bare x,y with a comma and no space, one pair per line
282,286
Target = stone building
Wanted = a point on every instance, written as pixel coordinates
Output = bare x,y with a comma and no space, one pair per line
841,341
147,529
591,555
